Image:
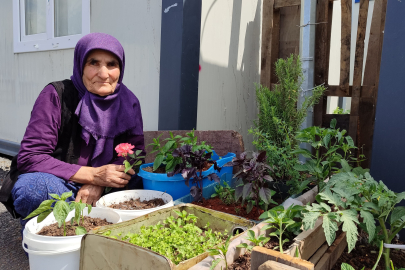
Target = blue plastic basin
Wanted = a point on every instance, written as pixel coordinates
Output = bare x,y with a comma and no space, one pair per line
175,185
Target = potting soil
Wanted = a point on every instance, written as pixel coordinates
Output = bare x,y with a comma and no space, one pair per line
88,223
137,204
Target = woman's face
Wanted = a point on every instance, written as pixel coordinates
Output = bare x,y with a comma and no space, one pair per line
101,72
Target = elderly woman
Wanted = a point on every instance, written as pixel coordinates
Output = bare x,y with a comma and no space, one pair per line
74,127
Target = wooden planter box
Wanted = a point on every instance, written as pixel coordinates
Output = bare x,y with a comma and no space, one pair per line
314,252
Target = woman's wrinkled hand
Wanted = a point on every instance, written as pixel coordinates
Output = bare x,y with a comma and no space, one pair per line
111,175
89,194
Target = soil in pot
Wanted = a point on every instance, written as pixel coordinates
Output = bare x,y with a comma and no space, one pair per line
88,223
243,262
137,204
235,208
163,170
365,255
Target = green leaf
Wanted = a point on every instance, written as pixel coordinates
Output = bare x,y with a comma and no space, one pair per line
333,123
400,196
397,214
55,196
349,141
44,206
243,245
303,152
137,152
333,149
61,211
310,219
213,252
66,195
325,206
168,145
89,208
329,227
345,166
215,263
368,219
349,219
43,215
326,141
80,230
331,198
158,161
345,266
301,167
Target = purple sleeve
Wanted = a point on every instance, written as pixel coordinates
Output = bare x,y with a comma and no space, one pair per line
139,143
41,137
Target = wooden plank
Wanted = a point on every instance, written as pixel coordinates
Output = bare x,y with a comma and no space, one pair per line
267,34
273,265
319,253
368,99
322,50
345,47
309,241
333,253
335,91
358,73
275,45
286,3
289,32
261,255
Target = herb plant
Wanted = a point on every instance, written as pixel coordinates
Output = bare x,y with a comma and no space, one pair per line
354,193
253,179
225,193
260,241
178,238
221,251
340,111
331,147
165,150
282,220
191,168
61,210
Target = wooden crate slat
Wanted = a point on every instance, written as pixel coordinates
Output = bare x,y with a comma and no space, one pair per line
275,45
289,32
345,47
286,3
369,90
267,35
322,49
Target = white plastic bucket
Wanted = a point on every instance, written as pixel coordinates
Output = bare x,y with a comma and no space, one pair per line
142,194
57,252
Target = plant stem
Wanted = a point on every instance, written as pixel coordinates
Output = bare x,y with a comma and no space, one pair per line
386,240
64,229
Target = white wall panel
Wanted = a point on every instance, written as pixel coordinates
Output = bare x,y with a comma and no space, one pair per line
136,24
230,65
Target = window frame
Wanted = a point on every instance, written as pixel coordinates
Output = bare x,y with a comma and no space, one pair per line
45,41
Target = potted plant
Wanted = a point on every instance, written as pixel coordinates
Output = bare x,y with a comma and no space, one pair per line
133,203
278,121
155,175
69,221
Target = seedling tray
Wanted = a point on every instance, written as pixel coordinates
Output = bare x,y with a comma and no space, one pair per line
100,252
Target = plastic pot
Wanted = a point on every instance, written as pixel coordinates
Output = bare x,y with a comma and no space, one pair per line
57,252
175,185
122,196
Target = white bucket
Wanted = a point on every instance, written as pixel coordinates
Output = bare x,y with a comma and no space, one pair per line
57,252
142,194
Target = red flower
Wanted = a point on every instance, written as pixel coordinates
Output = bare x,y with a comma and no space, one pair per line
124,149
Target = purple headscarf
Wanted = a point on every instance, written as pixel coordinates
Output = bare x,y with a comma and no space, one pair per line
104,117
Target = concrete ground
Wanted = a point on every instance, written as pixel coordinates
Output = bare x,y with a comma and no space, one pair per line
12,256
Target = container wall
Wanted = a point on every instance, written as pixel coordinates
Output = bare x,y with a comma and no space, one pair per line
136,24
230,65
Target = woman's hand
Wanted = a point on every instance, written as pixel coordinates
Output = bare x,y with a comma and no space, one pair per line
111,175
89,194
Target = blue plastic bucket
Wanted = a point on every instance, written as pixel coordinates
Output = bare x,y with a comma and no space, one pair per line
175,185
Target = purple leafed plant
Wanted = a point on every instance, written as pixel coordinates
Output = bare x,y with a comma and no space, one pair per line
191,168
254,177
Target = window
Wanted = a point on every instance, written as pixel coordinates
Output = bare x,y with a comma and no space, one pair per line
42,25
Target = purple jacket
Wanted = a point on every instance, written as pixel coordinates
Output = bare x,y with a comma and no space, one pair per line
41,137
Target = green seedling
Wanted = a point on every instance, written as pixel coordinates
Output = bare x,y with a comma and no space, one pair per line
61,210
259,241
225,193
282,220
177,238
221,251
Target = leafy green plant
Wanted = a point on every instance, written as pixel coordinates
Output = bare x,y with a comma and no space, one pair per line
221,251
331,147
166,147
340,111
178,238
225,193
280,118
353,193
282,220
253,178
61,210
260,241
